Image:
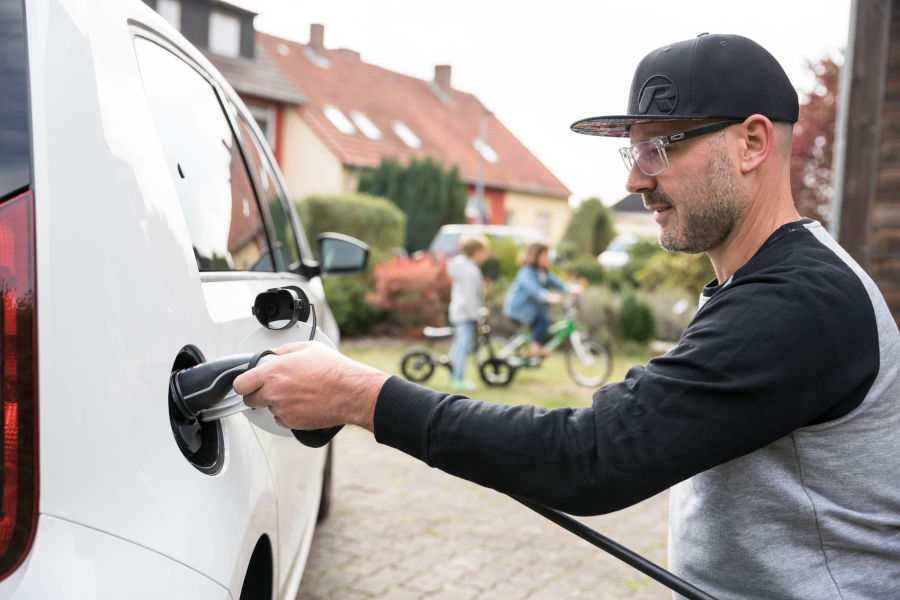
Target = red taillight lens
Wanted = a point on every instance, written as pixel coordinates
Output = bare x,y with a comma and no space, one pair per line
18,398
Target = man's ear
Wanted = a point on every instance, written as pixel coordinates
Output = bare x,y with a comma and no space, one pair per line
757,142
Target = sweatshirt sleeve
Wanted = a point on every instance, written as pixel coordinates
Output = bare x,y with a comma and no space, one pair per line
752,367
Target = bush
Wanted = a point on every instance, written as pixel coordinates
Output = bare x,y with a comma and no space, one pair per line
673,309
688,272
346,297
636,319
586,267
376,221
598,313
413,292
428,195
589,231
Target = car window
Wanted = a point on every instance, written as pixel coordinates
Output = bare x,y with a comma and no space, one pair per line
204,160
285,241
15,148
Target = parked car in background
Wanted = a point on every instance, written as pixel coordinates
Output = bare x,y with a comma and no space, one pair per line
617,253
446,241
141,213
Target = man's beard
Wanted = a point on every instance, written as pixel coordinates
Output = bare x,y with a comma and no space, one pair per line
714,208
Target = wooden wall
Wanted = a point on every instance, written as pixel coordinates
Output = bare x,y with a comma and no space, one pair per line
867,194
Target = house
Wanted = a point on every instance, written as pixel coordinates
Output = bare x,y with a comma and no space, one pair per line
631,217
329,116
866,203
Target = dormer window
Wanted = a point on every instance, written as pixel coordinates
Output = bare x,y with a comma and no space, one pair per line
406,134
224,34
170,10
338,119
486,151
365,125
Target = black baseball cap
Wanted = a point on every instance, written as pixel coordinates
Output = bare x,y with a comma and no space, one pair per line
709,76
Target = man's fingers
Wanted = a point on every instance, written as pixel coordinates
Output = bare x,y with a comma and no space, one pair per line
288,348
248,382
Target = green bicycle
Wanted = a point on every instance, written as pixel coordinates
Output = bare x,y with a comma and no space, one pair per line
588,361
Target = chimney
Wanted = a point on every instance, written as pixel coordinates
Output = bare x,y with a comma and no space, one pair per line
442,78
317,38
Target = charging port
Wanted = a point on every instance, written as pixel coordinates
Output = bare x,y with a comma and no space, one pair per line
199,442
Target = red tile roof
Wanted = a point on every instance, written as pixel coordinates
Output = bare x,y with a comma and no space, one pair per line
446,124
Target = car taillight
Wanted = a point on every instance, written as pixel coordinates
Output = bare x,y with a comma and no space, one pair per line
18,382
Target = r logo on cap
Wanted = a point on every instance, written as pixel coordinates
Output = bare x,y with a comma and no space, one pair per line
658,90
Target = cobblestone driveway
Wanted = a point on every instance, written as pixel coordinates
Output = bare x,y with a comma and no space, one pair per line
400,530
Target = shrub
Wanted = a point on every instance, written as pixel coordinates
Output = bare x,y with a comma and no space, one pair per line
589,231
376,221
673,309
688,272
598,313
636,319
414,292
427,194
586,267
346,297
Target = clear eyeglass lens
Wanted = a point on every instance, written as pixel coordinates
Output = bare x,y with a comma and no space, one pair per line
650,157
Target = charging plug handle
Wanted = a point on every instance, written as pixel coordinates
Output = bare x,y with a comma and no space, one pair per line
199,388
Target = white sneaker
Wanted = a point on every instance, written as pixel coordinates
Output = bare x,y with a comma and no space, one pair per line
461,385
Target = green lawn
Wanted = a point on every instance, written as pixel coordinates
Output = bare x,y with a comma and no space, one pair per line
548,385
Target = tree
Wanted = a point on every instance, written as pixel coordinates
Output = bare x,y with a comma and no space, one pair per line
813,143
429,195
589,231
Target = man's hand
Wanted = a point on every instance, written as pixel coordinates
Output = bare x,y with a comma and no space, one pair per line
311,386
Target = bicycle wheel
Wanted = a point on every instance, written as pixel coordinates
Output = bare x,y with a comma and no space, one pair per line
492,347
590,363
496,372
417,365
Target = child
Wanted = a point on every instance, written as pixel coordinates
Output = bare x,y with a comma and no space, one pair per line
529,294
466,298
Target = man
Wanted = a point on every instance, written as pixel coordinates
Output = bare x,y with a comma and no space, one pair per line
776,418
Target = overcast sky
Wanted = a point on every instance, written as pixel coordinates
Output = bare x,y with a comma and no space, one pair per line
539,66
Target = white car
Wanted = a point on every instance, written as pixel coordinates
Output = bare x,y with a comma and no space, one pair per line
140,217
617,254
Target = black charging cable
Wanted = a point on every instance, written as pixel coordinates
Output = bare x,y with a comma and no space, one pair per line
667,578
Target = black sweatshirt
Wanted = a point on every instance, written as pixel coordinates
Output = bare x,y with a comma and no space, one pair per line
789,341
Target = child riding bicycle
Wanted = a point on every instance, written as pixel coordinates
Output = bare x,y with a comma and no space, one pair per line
531,293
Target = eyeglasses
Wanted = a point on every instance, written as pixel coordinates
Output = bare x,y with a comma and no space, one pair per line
650,155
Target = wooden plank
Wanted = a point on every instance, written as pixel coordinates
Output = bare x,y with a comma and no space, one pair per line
890,121
886,273
890,150
862,136
888,182
886,213
892,89
885,244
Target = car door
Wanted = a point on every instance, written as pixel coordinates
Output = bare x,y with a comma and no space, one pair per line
245,241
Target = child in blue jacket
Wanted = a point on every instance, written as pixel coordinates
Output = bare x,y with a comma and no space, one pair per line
530,294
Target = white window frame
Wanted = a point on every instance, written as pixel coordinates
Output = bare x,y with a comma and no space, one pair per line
364,124
406,134
339,120
486,151
266,113
224,34
170,10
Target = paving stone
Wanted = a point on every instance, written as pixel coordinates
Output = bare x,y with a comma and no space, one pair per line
399,530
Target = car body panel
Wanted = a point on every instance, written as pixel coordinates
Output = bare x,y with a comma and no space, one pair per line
86,563
118,295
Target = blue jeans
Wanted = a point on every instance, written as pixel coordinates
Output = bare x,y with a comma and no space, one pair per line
463,340
539,326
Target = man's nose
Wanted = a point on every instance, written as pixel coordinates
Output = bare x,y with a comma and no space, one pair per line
638,182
